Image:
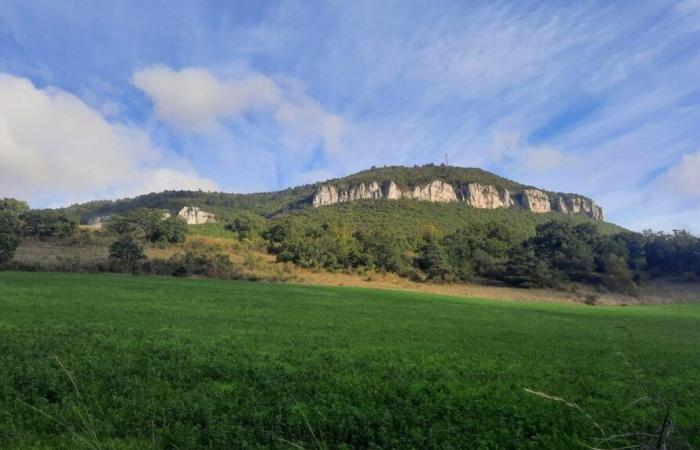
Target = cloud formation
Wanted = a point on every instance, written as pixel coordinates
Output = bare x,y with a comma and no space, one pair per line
195,99
54,146
685,176
561,95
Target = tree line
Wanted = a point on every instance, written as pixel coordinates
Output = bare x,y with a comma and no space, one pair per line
557,252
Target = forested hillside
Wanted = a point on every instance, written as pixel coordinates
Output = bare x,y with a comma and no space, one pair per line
425,241
269,204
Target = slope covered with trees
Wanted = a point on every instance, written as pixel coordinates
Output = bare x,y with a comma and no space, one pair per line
270,204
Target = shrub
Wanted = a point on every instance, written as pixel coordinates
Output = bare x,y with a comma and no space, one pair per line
191,263
48,223
126,253
590,299
8,246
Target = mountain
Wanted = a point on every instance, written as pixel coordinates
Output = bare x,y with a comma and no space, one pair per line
472,187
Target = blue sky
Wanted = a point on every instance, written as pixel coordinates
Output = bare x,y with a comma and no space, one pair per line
113,99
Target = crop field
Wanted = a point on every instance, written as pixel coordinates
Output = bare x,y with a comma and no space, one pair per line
118,361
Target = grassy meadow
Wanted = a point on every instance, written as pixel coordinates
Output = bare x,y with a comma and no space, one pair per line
117,361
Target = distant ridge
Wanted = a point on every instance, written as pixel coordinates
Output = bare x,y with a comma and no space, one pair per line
434,183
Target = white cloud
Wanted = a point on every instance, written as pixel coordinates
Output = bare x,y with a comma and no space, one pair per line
545,158
54,146
194,99
685,176
508,146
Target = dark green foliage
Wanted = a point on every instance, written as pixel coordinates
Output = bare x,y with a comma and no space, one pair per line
525,269
8,246
465,244
329,245
48,223
247,226
480,249
14,206
126,252
407,218
172,229
164,363
119,224
194,264
432,259
10,227
676,254
383,250
152,224
569,250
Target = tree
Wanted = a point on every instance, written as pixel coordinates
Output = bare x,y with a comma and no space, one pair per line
525,269
432,260
154,225
616,273
126,252
247,226
568,250
148,222
48,223
10,226
383,250
479,249
118,224
12,205
172,229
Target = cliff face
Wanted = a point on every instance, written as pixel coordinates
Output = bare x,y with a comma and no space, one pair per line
477,195
195,216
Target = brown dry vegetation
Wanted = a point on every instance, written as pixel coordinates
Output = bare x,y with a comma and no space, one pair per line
91,247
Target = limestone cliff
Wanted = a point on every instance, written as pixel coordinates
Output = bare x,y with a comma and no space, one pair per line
488,197
195,216
477,195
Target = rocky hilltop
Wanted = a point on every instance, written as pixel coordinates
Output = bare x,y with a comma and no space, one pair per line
430,183
482,196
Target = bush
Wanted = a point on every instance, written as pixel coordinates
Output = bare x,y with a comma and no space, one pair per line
10,227
432,260
153,225
8,246
48,223
247,226
126,253
197,264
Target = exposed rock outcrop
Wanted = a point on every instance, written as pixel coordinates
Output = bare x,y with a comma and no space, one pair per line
485,196
578,205
475,194
435,191
195,216
535,200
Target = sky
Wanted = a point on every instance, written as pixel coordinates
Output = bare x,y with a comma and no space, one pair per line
113,99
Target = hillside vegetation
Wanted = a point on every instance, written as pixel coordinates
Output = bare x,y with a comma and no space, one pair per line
421,241
272,203
115,361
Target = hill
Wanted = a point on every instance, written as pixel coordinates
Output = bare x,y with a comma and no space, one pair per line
475,187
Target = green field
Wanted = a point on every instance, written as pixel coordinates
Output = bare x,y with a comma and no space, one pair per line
184,364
